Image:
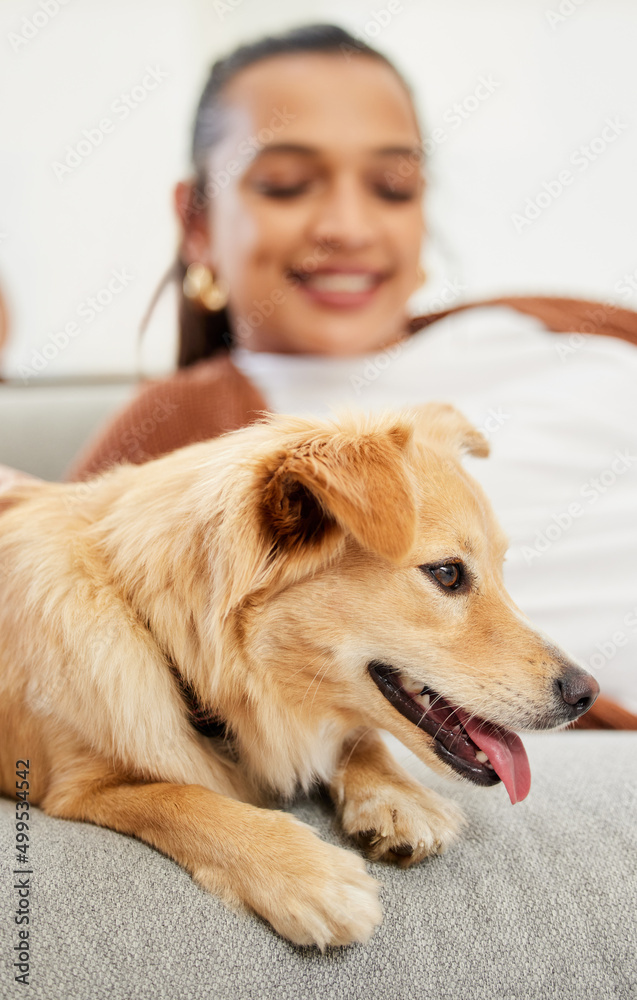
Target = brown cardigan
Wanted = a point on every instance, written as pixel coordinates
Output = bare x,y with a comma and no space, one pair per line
213,396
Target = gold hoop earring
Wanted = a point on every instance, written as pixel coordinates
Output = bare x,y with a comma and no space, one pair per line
421,274
201,286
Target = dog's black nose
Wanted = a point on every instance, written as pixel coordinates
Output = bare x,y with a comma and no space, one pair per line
578,689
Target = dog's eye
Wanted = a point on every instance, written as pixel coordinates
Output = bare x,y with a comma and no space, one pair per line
449,576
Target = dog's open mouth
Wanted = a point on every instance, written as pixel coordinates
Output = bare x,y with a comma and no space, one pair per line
476,749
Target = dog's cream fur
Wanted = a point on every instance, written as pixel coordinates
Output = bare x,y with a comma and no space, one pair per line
270,566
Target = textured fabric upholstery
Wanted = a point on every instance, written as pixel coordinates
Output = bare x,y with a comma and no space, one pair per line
535,901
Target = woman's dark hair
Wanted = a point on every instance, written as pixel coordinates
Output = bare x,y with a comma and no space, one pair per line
203,333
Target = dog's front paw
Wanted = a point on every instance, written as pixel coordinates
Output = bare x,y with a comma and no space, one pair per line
335,902
311,892
403,823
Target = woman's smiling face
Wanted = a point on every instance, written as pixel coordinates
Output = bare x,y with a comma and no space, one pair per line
315,214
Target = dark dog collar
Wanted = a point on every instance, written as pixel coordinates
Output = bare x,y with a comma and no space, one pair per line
204,720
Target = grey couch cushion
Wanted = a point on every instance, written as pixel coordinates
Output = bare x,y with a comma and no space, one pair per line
536,900
43,427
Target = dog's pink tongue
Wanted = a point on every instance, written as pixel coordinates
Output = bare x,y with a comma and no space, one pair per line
506,753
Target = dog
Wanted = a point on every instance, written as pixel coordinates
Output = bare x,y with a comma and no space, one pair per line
187,643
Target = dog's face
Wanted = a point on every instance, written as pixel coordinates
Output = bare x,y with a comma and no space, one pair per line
390,609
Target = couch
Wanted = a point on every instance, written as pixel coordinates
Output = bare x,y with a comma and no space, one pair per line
536,901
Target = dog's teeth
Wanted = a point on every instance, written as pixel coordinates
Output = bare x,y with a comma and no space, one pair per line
410,686
482,757
423,700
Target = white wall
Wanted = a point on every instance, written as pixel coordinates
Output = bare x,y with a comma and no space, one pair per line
559,70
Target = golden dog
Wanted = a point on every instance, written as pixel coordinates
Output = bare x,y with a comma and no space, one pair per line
184,643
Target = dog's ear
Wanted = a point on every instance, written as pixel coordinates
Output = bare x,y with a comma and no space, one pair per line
441,423
357,482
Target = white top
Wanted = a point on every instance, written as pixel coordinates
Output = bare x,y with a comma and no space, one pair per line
560,411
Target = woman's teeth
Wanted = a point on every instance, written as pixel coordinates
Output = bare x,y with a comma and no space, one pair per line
341,282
